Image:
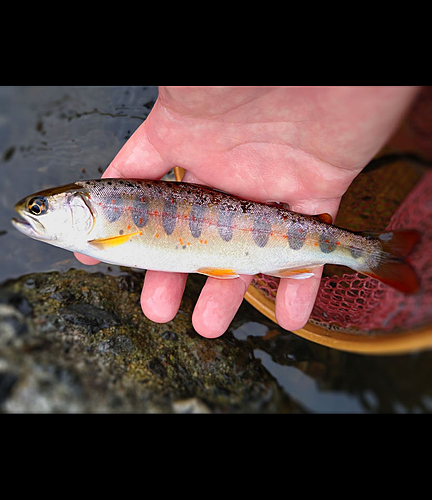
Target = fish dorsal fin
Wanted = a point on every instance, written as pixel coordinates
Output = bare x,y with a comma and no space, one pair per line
327,218
113,241
216,272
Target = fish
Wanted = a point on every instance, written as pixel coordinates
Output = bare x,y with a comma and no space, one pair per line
189,228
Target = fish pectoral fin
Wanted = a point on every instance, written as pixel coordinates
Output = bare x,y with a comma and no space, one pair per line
294,273
216,272
113,241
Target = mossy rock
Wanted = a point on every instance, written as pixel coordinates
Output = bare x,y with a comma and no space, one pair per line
79,342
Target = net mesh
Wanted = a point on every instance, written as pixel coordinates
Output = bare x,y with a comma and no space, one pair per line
349,301
368,305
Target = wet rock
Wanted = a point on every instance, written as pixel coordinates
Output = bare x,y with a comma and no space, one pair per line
17,301
7,381
13,311
116,345
12,324
191,405
90,317
169,335
85,346
156,366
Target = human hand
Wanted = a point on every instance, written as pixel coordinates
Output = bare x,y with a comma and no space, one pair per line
301,146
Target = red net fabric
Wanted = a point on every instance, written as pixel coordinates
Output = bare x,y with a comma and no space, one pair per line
358,304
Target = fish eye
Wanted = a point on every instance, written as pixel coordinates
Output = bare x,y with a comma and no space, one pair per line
38,205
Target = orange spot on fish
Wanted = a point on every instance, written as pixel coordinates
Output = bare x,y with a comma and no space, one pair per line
140,233
316,244
143,199
128,226
112,201
141,221
337,242
188,244
201,241
157,236
205,242
180,241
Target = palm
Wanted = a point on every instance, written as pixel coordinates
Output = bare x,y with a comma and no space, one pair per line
299,146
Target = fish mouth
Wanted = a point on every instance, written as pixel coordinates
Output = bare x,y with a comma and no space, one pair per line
27,226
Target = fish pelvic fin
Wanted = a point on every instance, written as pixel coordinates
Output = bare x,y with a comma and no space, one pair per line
393,268
219,273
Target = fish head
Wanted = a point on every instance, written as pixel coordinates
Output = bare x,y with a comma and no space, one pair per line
60,216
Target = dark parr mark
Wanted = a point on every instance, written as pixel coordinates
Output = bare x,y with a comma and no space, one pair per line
169,216
356,252
113,210
140,212
261,230
327,242
196,220
226,223
296,234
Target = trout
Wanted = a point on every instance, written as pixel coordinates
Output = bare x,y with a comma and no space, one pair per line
182,227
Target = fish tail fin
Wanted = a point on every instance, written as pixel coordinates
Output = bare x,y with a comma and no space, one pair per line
392,268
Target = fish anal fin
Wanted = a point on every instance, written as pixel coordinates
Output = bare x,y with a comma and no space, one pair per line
296,273
327,218
216,272
113,241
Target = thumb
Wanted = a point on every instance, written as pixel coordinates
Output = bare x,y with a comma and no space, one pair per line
138,158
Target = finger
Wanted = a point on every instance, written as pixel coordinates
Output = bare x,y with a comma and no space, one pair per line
138,158
190,177
161,295
217,305
84,259
295,300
